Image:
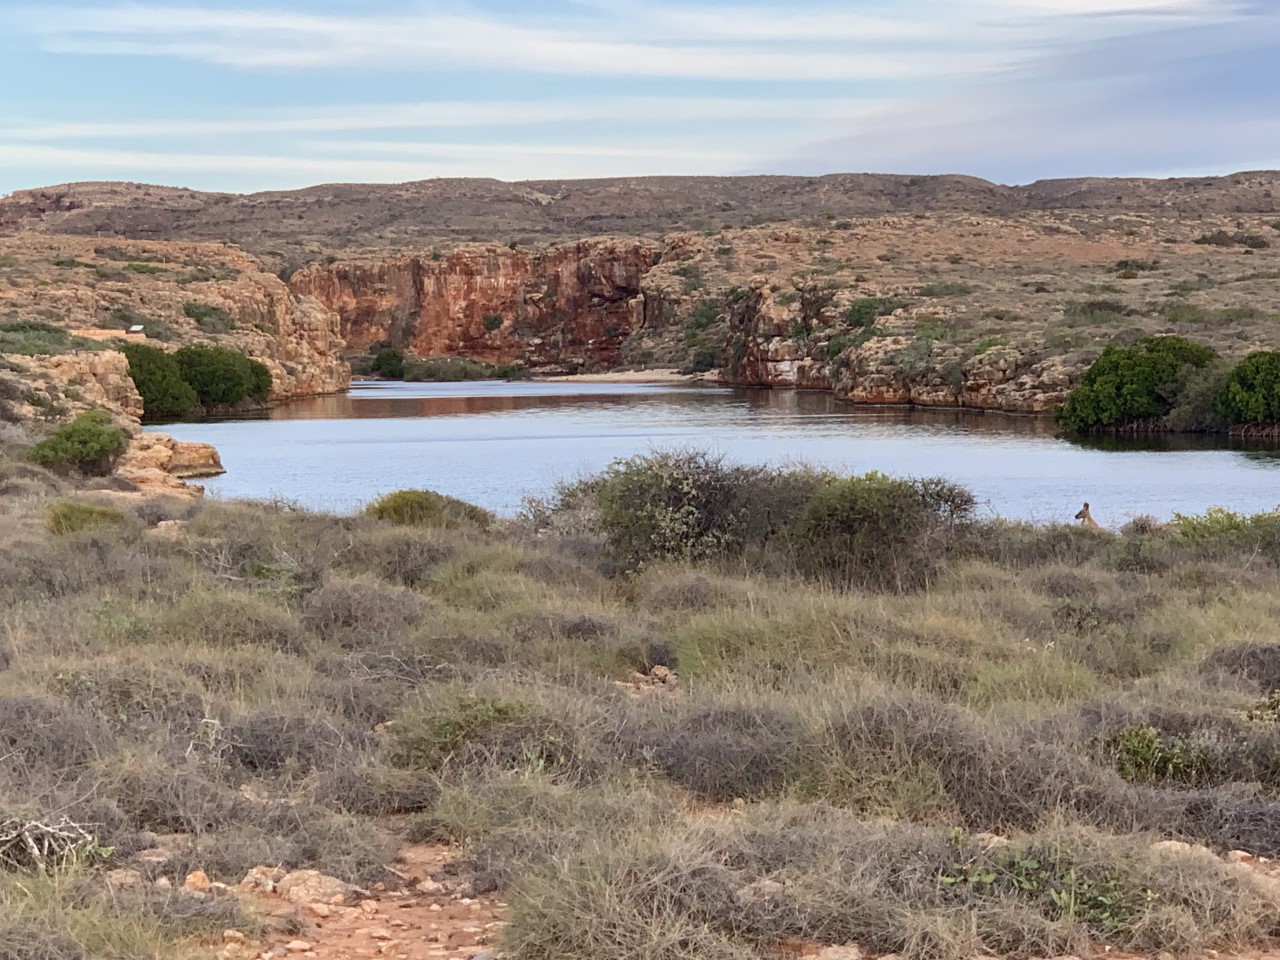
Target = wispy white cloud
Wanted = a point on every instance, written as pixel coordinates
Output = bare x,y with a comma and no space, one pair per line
460,114
282,170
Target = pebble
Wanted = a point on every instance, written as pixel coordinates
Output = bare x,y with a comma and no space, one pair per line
319,909
232,936
298,946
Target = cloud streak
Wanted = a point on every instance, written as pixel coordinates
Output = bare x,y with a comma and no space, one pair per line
1007,89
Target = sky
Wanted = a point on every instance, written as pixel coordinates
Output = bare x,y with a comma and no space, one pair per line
244,96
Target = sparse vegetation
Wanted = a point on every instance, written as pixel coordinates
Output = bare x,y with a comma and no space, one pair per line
865,311
209,318
896,724
457,369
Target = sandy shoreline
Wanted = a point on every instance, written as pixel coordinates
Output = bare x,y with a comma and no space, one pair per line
631,376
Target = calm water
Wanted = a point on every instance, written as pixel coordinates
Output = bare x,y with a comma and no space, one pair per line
494,443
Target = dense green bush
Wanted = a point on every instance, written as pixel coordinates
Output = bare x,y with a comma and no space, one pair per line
880,531
389,363
426,508
89,444
1251,393
1128,385
222,377
159,381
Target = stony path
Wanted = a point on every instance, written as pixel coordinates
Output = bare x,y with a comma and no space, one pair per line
432,918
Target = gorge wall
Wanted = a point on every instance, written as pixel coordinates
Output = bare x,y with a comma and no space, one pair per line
562,308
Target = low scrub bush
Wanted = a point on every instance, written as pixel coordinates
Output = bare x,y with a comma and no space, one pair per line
458,369
209,318
426,508
389,363
865,311
1143,755
881,532
88,445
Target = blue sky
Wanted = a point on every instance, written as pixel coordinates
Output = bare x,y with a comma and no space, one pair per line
237,95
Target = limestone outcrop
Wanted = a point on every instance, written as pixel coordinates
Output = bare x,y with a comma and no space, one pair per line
563,308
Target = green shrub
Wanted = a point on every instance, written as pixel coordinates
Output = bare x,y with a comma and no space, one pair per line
865,312
1220,238
492,322
1219,523
159,381
389,363
951,289
89,444
450,370
1128,385
1143,755
671,506
148,268
223,377
209,318
1251,393
879,531
67,516
428,737
426,508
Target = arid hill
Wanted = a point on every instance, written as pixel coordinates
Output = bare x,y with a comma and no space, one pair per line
336,216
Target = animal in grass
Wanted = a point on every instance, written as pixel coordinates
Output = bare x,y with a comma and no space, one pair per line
1086,518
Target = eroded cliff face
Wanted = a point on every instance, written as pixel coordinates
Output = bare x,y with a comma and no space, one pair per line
563,308
765,349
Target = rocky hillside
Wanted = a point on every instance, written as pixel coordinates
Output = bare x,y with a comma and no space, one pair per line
341,216
928,290
65,301
1000,313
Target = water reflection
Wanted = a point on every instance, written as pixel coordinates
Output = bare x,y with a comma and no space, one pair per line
493,443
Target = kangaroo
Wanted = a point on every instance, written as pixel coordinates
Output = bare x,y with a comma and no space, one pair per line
1085,517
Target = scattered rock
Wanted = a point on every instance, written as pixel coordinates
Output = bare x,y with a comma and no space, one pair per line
297,946
312,886
154,855
118,880
262,879
232,936
318,909
197,882
1240,856
839,953
759,890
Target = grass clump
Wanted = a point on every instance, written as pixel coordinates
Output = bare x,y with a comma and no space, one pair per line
89,445
33,338
68,516
426,508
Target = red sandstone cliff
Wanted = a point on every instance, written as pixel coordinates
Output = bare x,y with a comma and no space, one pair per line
566,307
